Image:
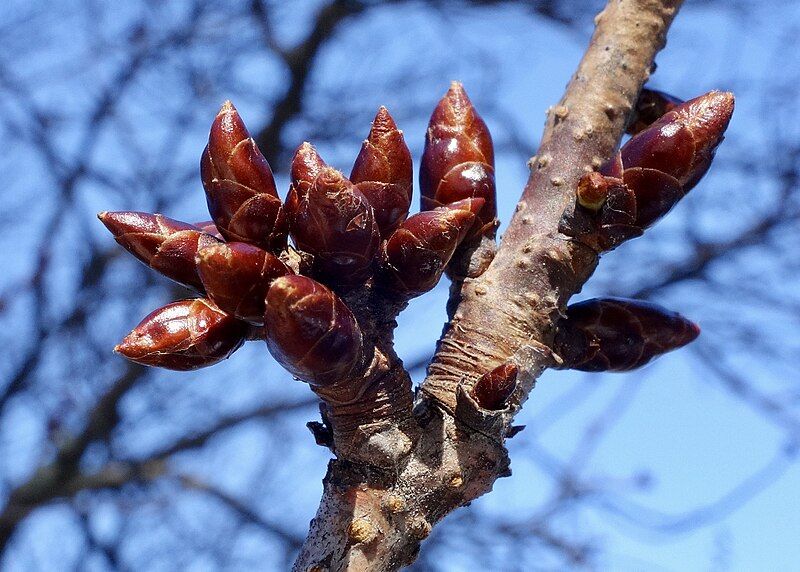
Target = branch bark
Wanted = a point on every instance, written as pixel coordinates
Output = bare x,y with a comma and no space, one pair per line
375,511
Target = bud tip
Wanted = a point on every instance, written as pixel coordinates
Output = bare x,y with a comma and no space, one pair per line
383,122
227,107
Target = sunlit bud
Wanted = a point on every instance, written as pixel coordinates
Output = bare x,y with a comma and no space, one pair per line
234,155
240,188
166,245
306,165
458,160
615,334
383,172
682,142
655,169
331,220
244,216
416,254
494,388
236,276
184,335
310,331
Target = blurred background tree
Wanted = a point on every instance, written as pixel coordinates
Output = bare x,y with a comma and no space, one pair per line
105,465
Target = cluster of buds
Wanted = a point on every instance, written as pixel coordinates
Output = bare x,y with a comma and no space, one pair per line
347,233
662,162
354,235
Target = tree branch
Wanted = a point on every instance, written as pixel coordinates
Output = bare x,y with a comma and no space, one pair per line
373,518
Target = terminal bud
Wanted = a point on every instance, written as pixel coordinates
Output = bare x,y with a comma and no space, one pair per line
383,172
331,220
458,159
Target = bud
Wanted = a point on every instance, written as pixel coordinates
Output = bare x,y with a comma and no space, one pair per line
616,334
234,155
331,220
166,245
458,160
654,170
184,335
236,276
650,107
310,331
240,187
383,172
682,142
593,190
494,388
416,254
306,165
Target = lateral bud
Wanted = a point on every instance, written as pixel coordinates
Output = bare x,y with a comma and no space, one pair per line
164,244
416,254
653,170
240,188
383,172
493,388
617,334
310,331
236,276
184,335
458,159
682,143
331,220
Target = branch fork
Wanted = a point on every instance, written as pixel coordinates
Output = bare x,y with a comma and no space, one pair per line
327,306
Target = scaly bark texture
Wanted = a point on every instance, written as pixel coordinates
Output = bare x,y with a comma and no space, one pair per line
398,474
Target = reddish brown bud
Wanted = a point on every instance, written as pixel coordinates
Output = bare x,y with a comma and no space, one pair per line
234,155
383,172
458,160
237,276
166,245
331,219
306,165
494,388
654,170
240,188
682,142
184,335
650,107
416,254
615,334
310,331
